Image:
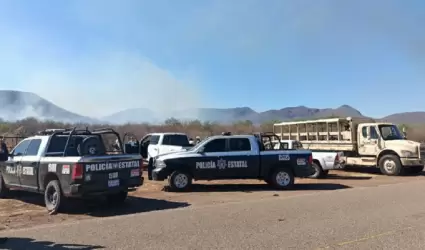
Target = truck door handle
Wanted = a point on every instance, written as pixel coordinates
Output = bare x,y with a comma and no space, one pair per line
33,163
155,149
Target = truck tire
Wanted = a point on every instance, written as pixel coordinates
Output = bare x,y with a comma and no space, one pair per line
319,173
117,198
282,178
53,197
4,191
390,165
179,181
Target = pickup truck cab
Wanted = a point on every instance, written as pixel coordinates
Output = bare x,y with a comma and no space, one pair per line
71,163
233,157
322,161
154,144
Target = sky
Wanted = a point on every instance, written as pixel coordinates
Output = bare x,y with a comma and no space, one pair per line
97,57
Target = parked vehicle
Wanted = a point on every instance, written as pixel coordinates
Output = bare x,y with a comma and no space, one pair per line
363,141
322,161
233,157
154,144
64,163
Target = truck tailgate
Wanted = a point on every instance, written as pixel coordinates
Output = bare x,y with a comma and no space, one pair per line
111,173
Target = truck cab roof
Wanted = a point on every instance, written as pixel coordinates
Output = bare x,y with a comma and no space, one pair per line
230,136
168,133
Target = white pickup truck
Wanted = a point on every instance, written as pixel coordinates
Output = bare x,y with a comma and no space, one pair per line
322,161
155,144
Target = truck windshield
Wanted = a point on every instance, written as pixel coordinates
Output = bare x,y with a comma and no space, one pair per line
390,132
176,140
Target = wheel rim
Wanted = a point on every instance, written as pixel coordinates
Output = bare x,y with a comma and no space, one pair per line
283,179
52,196
389,166
181,181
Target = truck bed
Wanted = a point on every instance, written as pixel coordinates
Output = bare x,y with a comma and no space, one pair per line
329,145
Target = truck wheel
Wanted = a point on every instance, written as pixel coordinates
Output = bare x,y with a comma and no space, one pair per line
3,189
319,173
282,178
117,199
390,165
53,197
179,181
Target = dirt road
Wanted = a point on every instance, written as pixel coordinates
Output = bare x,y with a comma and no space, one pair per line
27,210
386,213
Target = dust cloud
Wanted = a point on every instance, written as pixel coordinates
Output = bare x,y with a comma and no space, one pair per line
105,85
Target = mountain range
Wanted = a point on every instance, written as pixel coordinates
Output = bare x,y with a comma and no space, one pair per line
16,105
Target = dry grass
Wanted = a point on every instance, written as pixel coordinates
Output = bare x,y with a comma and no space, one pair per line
27,127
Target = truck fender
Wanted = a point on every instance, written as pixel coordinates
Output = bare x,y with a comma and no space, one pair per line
47,178
275,166
385,152
178,167
319,162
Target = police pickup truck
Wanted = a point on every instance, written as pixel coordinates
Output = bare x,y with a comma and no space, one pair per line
233,157
71,163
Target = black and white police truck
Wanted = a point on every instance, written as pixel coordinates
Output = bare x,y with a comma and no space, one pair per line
64,163
233,157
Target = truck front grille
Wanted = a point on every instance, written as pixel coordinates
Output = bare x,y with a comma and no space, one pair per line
422,151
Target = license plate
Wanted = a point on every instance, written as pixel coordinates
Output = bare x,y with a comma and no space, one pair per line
113,175
135,173
113,183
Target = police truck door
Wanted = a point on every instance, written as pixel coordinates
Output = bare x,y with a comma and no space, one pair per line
207,165
13,166
241,161
30,162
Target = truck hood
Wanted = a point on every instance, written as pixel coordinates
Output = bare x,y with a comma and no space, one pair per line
174,155
402,145
174,152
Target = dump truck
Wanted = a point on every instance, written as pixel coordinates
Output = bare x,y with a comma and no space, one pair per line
364,142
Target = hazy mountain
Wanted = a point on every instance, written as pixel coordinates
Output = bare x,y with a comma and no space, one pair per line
407,117
236,114
131,116
15,105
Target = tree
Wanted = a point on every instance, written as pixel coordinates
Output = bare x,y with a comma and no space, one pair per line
172,122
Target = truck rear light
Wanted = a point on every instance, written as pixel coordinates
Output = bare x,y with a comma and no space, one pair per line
337,158
310,159
77,171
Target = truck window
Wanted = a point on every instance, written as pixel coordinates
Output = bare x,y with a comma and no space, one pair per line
33,147
390,132
373,133
298,145
217,145
57,144
154,140
175,140
240,144
21,148
364,132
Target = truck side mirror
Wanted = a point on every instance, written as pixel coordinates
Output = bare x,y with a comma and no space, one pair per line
201,150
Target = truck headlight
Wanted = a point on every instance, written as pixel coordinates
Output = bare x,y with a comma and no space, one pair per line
406,153
159,164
